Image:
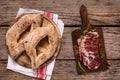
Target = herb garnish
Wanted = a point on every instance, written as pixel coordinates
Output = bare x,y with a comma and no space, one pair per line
85,31
81,37
93,30
80,66
102,55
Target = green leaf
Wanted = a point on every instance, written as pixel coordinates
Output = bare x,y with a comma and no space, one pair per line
93,30
102,55
81,37
85,31
80,66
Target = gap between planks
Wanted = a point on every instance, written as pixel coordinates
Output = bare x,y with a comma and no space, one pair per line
6,26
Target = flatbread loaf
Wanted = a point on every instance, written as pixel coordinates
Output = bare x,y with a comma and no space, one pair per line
33,40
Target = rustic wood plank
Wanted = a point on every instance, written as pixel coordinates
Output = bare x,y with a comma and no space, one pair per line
12,75
66,70
3,48
111,39
99,11
112,42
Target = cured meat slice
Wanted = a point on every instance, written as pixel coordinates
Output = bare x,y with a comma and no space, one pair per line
89,50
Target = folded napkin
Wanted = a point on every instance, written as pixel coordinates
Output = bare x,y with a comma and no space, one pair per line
44,72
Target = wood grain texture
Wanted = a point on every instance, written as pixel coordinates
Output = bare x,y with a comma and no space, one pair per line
11,75
66,70
3,48
106,12
111,39
100,12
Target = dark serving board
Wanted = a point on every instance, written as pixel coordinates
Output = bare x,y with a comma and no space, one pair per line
75,35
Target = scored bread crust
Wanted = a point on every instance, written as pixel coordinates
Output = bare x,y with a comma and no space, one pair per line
33,40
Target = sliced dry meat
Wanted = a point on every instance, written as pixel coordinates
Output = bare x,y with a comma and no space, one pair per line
89,50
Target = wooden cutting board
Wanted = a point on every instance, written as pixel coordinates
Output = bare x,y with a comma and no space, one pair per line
81,68
75,35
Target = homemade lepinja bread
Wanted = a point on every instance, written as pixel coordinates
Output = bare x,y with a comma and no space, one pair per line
33,40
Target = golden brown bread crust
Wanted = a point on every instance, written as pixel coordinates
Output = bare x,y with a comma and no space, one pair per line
33,40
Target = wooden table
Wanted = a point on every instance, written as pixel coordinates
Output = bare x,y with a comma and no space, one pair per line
103,13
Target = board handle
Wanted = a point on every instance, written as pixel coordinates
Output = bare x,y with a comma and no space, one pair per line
84,16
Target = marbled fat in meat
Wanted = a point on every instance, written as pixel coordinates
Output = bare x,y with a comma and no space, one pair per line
89,50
